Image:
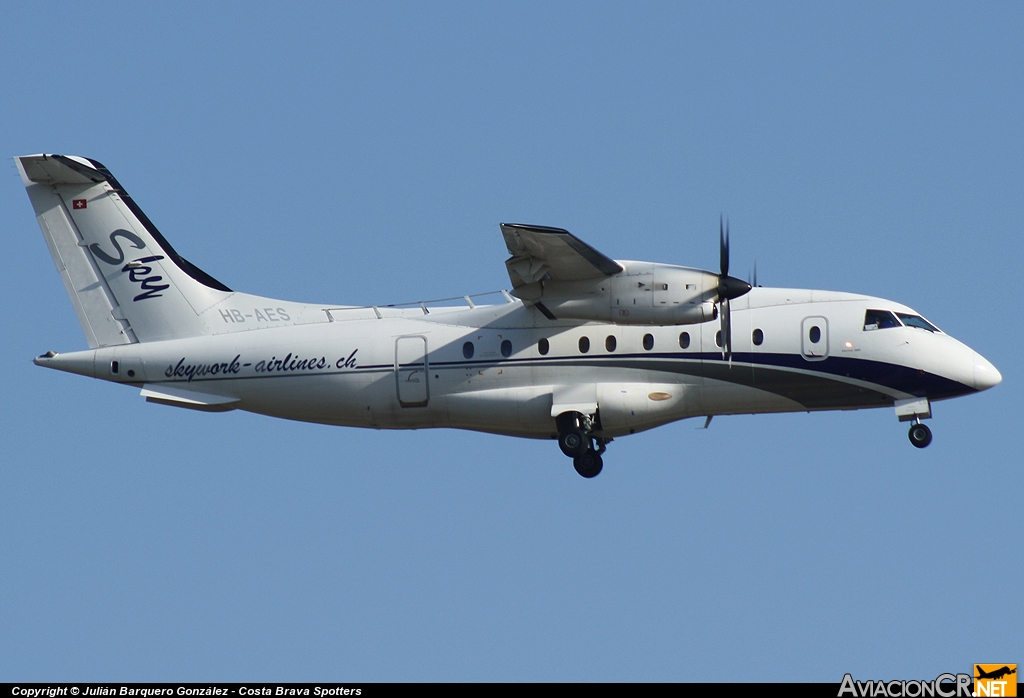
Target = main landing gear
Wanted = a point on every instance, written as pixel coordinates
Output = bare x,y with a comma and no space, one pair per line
576,442
920,435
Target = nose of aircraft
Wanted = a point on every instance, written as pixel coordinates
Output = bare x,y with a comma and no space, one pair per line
985,374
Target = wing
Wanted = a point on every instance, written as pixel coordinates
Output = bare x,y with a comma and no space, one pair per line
540,253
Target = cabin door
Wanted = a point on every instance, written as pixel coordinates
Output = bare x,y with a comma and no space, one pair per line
814,342
411,371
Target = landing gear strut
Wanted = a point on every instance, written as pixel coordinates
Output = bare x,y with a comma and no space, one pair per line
575,441
914,409
920,435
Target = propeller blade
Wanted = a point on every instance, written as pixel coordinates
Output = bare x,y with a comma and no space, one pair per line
728,288
723,246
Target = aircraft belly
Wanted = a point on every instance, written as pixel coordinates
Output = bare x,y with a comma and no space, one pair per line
724,396
626,408
518,402
523,411
344,400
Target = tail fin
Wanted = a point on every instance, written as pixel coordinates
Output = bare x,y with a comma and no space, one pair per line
126,282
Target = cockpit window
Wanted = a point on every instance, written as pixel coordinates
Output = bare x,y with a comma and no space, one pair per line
917,321
879,320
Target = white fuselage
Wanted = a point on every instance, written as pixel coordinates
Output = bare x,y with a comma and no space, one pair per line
393,368
594,348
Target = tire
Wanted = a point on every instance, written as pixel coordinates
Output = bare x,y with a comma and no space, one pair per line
920,435
589,464
573,442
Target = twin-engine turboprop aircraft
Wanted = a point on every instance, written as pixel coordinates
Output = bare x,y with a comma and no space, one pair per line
584,350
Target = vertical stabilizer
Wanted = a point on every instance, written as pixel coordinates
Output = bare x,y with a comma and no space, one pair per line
126,282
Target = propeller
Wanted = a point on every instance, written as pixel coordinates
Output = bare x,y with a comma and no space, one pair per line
729,287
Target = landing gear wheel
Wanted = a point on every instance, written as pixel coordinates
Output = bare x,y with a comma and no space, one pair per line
589,464
920,435
573,442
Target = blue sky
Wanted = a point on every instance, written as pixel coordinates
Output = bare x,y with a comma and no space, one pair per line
353,153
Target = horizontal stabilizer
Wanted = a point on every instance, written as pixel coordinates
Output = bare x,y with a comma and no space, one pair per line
191,399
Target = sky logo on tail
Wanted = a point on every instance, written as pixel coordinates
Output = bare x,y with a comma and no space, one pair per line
131,237
138,272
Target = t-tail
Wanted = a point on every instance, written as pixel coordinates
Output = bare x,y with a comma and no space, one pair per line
126,282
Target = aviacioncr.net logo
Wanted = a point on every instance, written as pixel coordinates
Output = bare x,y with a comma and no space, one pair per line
943,686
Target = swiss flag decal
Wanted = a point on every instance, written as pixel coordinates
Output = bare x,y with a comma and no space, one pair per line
79,203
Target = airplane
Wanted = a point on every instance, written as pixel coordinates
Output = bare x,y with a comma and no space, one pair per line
996,674
583,349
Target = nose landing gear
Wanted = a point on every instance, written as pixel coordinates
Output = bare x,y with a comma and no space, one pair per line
920,435
915,409
576,442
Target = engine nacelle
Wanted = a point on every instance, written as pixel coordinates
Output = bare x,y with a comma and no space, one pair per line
643,293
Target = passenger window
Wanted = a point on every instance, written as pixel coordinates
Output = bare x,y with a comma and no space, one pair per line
610,343
879,320
543,347
506,348
718,338
584,345
814,335
917,321
467,350
758,337
684,340
648,341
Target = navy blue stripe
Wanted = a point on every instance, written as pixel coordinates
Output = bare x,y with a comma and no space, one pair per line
772,372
